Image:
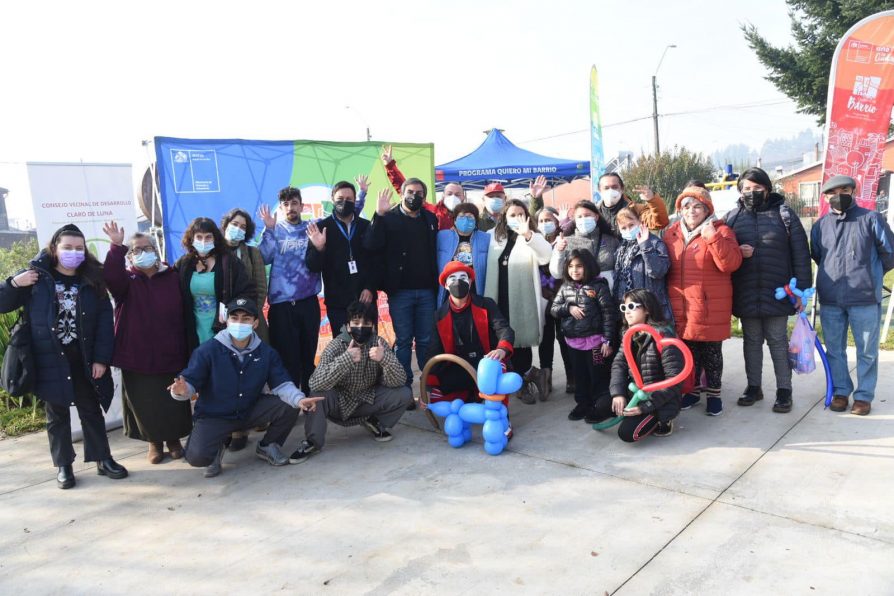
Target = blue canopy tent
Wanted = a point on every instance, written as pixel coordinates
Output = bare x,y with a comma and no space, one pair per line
498,160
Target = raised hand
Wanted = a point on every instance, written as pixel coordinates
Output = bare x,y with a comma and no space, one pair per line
366,297
645,193
25,278
268,217
384,202
309,404
317,238
179,386
709,231
115,234
362,182
643,235
354,351
537,186
377,352
524,227
386,155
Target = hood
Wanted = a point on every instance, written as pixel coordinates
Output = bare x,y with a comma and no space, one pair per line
223,336
42,260
699,193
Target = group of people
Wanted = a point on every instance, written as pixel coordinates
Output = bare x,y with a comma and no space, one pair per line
496,283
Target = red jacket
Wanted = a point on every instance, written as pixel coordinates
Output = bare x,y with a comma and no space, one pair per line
445,220
699,281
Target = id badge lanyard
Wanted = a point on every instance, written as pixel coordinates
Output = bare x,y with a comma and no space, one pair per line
352,264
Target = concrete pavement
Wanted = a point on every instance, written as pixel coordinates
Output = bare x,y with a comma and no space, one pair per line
751,502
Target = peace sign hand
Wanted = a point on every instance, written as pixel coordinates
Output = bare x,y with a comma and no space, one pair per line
386,155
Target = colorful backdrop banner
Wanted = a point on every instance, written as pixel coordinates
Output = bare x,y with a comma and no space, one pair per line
861,94
208,177
597,158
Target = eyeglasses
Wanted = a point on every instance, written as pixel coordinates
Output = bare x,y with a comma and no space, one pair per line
138,251
631,306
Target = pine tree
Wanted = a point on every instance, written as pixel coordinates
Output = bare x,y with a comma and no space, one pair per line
802,71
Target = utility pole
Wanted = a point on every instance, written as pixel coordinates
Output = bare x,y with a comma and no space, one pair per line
655,98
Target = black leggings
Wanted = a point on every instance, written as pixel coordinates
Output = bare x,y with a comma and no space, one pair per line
590,380
522,359
707,357
631,428
547,348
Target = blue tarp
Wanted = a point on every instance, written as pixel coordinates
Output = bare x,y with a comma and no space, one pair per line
497,159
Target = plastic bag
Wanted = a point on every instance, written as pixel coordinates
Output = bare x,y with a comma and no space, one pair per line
801,346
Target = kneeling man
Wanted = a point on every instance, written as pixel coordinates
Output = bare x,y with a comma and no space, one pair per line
361,381
229,373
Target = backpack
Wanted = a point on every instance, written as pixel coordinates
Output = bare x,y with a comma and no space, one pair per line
17,373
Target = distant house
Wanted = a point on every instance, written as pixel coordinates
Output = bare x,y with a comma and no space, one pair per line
805,181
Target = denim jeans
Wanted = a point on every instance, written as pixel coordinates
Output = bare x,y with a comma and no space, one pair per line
865,322
413,316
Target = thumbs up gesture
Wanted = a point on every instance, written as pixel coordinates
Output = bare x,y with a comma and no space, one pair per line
377,352
354,351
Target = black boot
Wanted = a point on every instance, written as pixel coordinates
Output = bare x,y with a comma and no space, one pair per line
752,394
65,478
109,467
783,403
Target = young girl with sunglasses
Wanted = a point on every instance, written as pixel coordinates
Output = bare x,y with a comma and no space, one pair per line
654,415
586,312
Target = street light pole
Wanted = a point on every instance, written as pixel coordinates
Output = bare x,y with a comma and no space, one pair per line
655,98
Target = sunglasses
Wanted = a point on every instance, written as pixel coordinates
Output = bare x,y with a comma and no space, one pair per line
630,306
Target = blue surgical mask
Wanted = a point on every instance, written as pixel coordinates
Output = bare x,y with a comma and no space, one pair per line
235,233
548,228
465,225
203,248
239,331
145,259
630,234
586,224
494,204
513,224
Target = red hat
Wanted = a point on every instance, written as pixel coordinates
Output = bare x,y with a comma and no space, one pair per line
455,267
494,187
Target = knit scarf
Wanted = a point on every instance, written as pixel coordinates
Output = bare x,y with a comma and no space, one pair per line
627,253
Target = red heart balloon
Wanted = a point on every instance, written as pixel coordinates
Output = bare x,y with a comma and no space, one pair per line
661,342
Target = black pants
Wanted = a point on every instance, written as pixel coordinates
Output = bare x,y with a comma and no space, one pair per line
590,379
294,333
522,359
208,434
707,357
632,428
547,348
96,442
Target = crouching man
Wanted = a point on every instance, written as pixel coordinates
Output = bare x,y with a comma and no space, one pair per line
361,381
229,373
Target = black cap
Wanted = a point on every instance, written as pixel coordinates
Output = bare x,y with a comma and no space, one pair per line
67,230
243,304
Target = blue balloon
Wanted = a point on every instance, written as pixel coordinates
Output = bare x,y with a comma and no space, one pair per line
467,434
492,431
494,448
473,413
489,372
508,383
456,441
453,425
440,408
456,404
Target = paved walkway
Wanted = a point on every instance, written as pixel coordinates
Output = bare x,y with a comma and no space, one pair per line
751,502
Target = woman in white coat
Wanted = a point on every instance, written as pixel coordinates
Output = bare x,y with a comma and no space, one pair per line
517,250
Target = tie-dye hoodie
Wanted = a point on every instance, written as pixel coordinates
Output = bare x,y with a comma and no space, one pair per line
284,248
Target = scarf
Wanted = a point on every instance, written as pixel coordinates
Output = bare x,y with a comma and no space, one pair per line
627,253
690,235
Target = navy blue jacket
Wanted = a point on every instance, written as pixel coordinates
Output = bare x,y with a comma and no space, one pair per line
229,388
853,250
96,335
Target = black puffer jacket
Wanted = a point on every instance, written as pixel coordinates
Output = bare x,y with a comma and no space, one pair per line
654,367
780,253
96,335
600,310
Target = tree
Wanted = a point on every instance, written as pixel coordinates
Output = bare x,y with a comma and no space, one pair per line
669,172
802,71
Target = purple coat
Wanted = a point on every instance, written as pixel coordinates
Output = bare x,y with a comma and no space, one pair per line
149,329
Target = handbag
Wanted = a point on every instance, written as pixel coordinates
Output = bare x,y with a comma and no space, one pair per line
18,371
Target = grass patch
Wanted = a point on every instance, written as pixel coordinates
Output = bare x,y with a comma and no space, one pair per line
20,416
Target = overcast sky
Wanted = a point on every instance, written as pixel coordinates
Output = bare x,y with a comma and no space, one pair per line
89,80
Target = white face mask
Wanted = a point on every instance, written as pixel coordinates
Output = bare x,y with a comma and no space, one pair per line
611,197
451,202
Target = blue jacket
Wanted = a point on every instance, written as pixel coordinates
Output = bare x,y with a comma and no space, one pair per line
229,382
647,269
448,240
96,335
285,248
853,250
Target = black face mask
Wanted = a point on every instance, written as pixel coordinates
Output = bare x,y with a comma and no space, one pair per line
344,208
459,289
754,199
414,201
360,334
841,202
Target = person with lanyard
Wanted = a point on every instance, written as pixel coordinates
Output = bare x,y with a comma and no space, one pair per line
406,235
294,312
471,327
336,250
465,244
229,374
72,337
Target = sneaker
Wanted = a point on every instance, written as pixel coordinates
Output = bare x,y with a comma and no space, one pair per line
689,400
303,453
577,413
783,401
214,468
664,429
379,433
714,406
272,454
752,394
